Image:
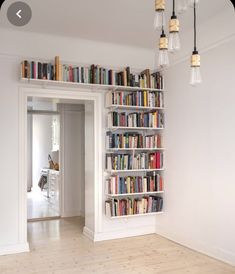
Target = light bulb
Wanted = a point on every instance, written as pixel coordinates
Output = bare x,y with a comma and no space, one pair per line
191,3
195,76
159,19
182,6
174,41
163,59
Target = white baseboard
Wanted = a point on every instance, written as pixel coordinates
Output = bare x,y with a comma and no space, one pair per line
88,233
211,251
14,249
124,233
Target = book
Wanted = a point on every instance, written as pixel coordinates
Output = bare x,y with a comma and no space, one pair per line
133,206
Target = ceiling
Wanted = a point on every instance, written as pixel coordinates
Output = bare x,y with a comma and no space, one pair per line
128,22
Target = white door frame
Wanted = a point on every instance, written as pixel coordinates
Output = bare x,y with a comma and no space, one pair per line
60,93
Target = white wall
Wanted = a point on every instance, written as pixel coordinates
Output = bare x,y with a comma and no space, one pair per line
42,144
200,174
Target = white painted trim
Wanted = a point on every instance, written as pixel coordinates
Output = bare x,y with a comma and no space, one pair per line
211,251
124,233
26,91
88,233
14,249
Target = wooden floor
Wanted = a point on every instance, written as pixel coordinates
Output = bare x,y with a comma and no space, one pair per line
39,206
59,247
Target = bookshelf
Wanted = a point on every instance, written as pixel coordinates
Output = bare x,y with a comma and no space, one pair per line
94,87
134,104
135,194
123,140
135,215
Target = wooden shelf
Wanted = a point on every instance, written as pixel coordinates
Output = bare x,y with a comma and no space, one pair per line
134,194
84,85
134,170
113,150
136,215
113,107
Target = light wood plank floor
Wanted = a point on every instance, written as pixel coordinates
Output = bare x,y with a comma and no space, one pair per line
59,247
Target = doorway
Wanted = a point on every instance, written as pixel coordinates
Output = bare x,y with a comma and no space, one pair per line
93,153
43,145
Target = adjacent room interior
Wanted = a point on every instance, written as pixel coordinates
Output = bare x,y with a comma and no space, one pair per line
117,136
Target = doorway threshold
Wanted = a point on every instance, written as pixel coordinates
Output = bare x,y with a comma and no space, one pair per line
43,219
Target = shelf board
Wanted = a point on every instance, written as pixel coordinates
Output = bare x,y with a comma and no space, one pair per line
111,107
136,215
134,149
134,128
134,170
134,194
84,85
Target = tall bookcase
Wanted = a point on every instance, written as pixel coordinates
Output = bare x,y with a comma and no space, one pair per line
134,152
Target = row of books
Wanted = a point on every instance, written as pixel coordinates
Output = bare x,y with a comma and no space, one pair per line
93,74
132,140
133,206
134,184
138,98
153,119
137,162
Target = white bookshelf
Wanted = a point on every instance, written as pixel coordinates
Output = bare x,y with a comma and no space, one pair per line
135,194
136,215
111,97
113,150
113,171
114,107
94,87
133,128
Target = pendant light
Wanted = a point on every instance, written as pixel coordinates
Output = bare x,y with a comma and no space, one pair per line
163,59
159,19
174,39
195,58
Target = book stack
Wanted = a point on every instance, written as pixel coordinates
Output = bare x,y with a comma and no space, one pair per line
93,74
153,119
132,140
134,184
136,162
43,71
138,98
133,206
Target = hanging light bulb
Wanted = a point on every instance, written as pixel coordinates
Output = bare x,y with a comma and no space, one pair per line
182,6
195,69
174,39
191,3
159,19
163,59
195,58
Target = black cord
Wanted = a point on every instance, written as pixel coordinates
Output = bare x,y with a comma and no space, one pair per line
195,28
173,12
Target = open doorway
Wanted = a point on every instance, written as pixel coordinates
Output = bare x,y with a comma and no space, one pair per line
43,144
56,158
93,179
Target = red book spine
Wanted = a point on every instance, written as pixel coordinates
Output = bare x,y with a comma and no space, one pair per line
158,160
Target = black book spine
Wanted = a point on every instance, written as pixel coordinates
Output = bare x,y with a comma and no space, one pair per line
128,72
